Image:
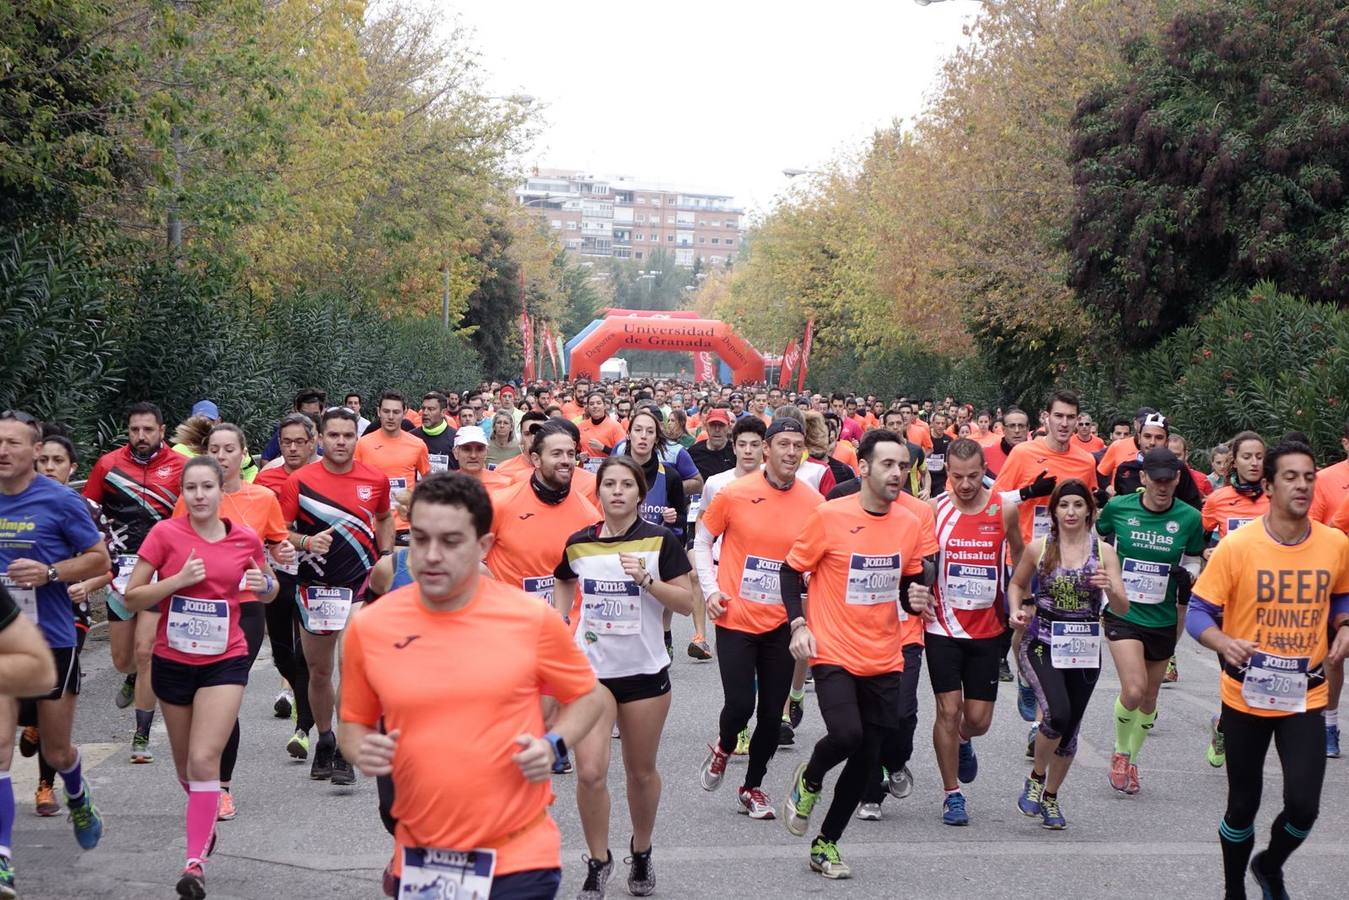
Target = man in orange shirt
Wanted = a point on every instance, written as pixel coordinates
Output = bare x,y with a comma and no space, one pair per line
1015,430
600,434
532,520
401,457
757,518
865,556
1086,434
1332,484
453,667
915,429
470,451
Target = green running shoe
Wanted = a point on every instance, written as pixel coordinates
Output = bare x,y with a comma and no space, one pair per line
825,859
800,803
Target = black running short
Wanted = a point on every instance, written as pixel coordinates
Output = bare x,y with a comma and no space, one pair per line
964,664
639,687
177,683
67,674
1158,643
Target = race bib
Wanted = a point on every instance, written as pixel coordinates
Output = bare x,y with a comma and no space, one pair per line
761,581
936,462
440,462
1234,523
430,874
1075,645
970,587
292,569
328,607
396,485
541,587
611,606
1040,525
1276,683
592,464
1145,582
24,598
873,579
198,627
125,564
695,504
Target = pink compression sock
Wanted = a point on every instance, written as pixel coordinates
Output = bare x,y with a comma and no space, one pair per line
203,799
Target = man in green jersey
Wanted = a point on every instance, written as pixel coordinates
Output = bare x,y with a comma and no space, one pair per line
1160,543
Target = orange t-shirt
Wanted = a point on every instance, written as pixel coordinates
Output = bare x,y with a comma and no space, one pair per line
572,411
1225,510
1092,445
846,453
913,627
464,690
402,458
608,432
757,524
1029,459
856,560
920,433
1341,519
1278,596
517,468
1121,451
253,506
1332,489
531,536
490,479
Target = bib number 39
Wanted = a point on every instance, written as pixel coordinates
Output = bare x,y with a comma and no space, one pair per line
431,874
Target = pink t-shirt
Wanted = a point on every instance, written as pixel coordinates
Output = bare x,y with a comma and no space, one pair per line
200,624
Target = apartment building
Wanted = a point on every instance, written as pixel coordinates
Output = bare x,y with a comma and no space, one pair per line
623,218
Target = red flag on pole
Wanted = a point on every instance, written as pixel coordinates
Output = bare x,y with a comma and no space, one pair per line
791,357
704,368
549,345
527,338
805,354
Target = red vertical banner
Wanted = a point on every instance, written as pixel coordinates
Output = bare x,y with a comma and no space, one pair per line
704,367
527,338
791,357
805,354
550,345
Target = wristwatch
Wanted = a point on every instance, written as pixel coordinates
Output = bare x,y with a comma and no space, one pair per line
52,576
559,745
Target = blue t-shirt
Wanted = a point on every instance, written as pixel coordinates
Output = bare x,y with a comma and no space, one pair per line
672,455
47,523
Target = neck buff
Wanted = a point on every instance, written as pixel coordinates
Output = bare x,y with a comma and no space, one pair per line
439,429
551,496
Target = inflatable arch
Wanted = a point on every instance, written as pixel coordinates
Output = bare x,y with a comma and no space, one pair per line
605,337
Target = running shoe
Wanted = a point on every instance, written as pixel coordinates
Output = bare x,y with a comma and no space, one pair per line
968,766
1004,670
88,823
225,812
1032,795
714,766
825,859
28,741
1217,745
613,733
7,891
669,645
796,711
192,883
1134,785
126,694
283,705
869,812
800,803
786,733
1333,741
44,802
1051,816
140,749
321,769
298,745
563,766
1030,740
953,810
1172,672
741,743
1025,700
597,876
699,649
641,873
900,783
1119,772
343,773
389,881
754,803
1271,883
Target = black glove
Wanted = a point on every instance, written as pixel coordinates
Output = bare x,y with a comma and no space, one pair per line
1102,497
1042,486
1184,585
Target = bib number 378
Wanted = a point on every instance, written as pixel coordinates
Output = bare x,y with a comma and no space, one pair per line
431,874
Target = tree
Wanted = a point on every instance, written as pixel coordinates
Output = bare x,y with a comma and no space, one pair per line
1216,160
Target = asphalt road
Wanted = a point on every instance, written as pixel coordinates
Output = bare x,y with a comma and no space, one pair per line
297,839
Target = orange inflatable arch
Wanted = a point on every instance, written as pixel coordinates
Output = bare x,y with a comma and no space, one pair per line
678,335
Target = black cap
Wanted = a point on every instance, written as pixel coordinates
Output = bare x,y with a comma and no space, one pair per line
779,426
1143,413
1161,464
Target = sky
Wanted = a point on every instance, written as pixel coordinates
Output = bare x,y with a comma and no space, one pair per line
720,96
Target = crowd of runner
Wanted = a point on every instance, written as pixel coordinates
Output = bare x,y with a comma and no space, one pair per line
490,576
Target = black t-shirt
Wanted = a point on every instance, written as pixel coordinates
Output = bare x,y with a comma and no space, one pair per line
1127,481
936,462
712,462
673,558
845,489
440,447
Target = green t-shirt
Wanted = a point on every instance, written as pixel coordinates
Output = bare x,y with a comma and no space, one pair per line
1150,545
